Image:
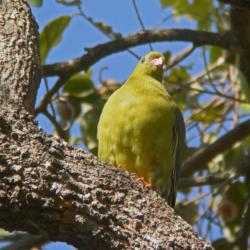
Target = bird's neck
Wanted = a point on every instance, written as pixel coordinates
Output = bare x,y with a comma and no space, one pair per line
155,75
148,70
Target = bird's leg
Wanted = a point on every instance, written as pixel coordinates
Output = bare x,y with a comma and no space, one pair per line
141,180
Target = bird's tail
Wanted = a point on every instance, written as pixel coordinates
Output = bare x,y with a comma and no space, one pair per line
171,195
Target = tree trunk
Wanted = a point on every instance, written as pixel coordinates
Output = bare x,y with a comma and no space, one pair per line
48,187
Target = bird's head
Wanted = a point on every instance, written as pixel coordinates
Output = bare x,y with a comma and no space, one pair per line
151,64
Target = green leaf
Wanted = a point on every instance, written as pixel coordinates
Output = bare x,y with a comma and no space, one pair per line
79,85
209,113
167,56
166,3
36,3
51,35
198,10
215,53
178,75
69,2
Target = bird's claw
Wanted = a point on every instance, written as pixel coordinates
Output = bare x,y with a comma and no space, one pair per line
141,180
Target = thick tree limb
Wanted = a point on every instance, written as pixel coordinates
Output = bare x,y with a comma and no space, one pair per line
204,155
245,4
49,187
240,22
85,203
93,55
14,49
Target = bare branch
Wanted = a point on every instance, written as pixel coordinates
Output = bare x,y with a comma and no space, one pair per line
242,241
197,77
204,155
140,20
62,133
203,181
48,96
93,55
180,57
218,93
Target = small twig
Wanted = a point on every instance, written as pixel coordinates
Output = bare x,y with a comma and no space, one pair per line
233,75
50,102
140,21
210,104
207,69
111,34
60,131
101,72
48,96
198,77
206,91
165,19
180,56
207,153
242,240
203,181
214,193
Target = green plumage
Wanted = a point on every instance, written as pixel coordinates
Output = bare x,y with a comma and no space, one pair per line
142,130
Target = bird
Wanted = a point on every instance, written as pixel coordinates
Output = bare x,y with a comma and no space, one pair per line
141,129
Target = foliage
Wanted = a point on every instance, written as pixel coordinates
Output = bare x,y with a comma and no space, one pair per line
37,3
51,35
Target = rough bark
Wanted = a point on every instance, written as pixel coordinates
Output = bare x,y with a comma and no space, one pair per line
48,187
19,57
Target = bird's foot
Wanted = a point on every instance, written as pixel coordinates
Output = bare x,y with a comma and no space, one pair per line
141,180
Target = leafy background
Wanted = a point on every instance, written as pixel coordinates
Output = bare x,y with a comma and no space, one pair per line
207,85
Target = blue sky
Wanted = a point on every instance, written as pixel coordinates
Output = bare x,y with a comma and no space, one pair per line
121,16
80,34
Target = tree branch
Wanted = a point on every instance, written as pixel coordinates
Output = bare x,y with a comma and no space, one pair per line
86,203
204,155
204,180
66,69
93,55
242,241
240,22
180,57
48,96
245,4
44,181
18,44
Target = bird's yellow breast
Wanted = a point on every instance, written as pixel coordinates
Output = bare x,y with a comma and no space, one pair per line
135,131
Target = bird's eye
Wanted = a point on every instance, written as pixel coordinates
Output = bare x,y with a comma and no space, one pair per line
143,60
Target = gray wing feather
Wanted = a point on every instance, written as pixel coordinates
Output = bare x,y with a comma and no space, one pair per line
178,142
